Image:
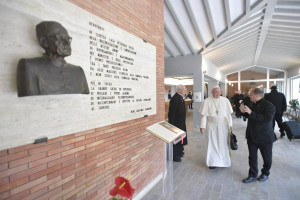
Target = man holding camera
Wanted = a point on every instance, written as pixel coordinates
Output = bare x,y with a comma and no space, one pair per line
259,134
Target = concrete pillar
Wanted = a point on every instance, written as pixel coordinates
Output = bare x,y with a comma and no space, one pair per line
198,87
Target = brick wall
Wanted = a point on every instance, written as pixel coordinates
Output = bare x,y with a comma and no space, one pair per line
83,165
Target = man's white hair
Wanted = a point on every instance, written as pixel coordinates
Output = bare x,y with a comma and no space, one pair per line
180,87
215,87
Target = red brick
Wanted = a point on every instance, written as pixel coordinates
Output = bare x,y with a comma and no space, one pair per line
4,181
3,153
3,166
36,194
23,148
60,160
45,184
86,151
61,182
44,172
91,135
7,158
85,132
28,185
77,144
4,195
44,148
61,149
60,172
27,172
73,161
11,185
44,160
71,151
74,181
73,140
111,130
94,143
26,159
21,195
13,170
51,193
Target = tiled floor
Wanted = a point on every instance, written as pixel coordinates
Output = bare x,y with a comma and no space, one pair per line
193,180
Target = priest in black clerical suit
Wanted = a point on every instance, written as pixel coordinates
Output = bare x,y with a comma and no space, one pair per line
177,115
259,134
51,74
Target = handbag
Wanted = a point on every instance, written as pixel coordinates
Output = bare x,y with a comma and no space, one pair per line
233,142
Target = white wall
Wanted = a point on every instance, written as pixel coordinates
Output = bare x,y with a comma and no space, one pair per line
295,71
212,71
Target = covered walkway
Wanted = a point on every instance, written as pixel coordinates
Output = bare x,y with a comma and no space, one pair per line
193,180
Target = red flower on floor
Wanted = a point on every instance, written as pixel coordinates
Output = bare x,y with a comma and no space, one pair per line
122,188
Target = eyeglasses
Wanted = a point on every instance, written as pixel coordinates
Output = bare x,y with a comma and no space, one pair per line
64,38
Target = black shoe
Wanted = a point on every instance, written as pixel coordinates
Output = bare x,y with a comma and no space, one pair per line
177,159
262,177
212,167
282,134
249,179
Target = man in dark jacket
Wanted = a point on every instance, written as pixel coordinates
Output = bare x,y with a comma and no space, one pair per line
279,101
176,117
259,134
237,98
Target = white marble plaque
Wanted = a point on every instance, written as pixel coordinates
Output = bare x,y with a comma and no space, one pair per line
120,69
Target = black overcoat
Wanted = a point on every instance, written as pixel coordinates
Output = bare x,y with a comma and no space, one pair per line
278,100
259,128
177,113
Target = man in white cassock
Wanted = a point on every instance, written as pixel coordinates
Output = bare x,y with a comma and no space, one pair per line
216,122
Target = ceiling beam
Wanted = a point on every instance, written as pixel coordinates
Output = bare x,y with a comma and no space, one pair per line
236,40
246,17
169,50
227,11
180,25
193,18
210,19
264,29
174,39
247,6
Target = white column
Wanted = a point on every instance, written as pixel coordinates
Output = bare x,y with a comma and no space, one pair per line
239,80
268,82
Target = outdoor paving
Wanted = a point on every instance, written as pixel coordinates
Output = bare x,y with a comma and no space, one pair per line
193,180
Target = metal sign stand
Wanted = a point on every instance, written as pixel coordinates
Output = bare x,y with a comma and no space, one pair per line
168,174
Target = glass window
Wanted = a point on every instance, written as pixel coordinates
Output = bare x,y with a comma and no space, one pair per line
274,74
254,73
295,88
231,88
245,87
279,84
232,77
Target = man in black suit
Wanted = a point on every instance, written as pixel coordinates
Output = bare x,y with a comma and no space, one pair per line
190,96
279,101
238,97
259,134
169,95
176,117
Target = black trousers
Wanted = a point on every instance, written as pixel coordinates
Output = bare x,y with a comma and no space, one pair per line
278,119
266,153
238,112
177,150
